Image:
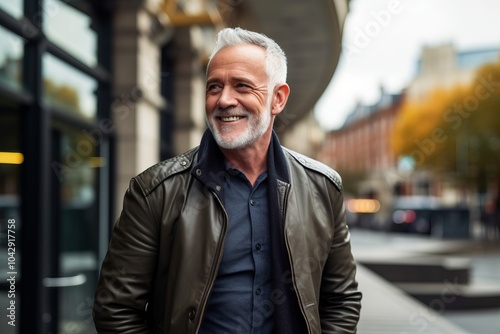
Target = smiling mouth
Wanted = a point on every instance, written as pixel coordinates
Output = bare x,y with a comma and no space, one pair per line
231,118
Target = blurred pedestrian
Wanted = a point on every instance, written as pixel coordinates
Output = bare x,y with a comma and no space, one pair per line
238,235
496,217
490,219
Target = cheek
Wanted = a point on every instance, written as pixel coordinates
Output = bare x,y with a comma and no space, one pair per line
210,104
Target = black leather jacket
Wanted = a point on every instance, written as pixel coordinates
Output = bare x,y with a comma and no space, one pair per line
167,244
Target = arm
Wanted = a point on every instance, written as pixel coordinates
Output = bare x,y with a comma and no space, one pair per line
128,269
340,300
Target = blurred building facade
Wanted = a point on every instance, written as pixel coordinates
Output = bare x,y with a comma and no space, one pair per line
361,149
94,92
362,144
443,66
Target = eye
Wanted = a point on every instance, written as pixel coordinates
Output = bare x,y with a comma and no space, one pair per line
214,87
243,86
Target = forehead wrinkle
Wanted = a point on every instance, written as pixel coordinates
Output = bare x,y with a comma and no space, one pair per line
246,55
223,74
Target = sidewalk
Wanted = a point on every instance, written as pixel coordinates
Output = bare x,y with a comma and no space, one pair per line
388,309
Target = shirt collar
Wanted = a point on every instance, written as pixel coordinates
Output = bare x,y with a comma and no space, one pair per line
212,170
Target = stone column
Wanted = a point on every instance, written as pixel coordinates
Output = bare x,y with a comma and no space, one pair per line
136,81
190,48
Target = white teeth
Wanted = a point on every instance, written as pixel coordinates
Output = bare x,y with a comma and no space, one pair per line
230,119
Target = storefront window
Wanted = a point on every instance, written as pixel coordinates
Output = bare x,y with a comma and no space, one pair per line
12,7
71,30
70,220
68,89
78,230
11,57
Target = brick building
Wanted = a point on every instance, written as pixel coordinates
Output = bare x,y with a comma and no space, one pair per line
362,144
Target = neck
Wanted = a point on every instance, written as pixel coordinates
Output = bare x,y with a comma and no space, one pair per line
251,160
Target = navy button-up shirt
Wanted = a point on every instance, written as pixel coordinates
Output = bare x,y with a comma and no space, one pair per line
240,301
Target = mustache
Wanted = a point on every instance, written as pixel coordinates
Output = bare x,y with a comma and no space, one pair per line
228,112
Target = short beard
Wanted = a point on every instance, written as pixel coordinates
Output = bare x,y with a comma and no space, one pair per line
257,126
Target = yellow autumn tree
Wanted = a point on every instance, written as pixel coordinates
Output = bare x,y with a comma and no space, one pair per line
473,125
417,129
455,130
63,96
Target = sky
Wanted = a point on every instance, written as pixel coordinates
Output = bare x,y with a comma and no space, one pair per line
382,42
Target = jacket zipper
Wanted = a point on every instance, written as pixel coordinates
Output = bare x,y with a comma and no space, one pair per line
214,272
294,282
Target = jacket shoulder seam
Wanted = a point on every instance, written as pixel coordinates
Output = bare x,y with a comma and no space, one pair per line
152,177
317,166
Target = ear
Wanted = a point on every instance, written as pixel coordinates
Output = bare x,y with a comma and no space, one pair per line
280,97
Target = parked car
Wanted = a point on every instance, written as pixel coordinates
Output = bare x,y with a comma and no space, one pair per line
426,215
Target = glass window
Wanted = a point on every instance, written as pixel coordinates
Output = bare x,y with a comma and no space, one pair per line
78,230
71,30
11,57
12,7
66,88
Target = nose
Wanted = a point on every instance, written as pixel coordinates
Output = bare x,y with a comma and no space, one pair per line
227,98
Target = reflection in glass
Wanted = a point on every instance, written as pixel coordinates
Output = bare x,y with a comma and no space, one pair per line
71,30
11,56
78,233
12,7
66,88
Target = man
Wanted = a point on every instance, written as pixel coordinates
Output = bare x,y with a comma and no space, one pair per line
238,235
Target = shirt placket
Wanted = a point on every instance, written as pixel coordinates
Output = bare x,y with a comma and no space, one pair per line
257,203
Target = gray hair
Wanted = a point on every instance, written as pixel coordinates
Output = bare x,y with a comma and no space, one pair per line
276,67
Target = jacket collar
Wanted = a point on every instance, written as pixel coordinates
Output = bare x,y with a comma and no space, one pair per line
210,168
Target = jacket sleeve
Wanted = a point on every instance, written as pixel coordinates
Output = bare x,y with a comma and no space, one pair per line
128,269
340,300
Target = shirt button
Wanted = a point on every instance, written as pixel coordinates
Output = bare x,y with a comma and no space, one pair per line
253,202
258,246
258,292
